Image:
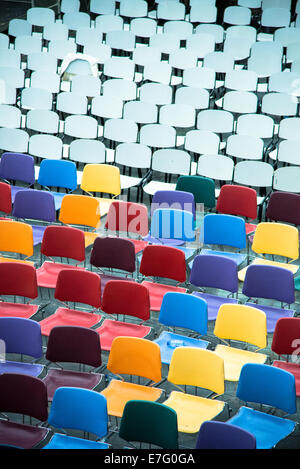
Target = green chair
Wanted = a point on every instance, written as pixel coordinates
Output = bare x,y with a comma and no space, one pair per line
201,187
149,422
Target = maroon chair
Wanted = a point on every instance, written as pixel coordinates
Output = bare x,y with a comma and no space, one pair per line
26,395
128,299
83,347
284,207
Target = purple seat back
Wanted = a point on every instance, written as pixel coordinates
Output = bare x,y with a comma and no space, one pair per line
284,207
268,281
215,272
223,435
35,205
179,200
114,253
17,167
21,336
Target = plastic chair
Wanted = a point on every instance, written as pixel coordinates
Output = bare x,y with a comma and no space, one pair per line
202,188
106,7
283,207
13,78
16,237
71,103
17,167
55,31
199,78
78,409
21,336
156,93
13,140
201,142
76,286
41,120
32,401
38,16
244,324
46,146
83,348
166,262
119,131
149,422
270,386
45,80
137,357
199,368
107,107
119,88
287,179
36,98
86,85
203,13
245,147
109,22
10,116
81,126
174,200
256,174
119,67
223,435
5,198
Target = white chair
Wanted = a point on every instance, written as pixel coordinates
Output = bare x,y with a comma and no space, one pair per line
71,103
241,80
119,67
169,10
256,125
120,131
158,136
88,36
60,48
177,115
264,68
214,120
87,151
146,55
123,89
7,93
102,52
275,18
181,29
201,44
19,27
196,97
283,82
296,66
56,31
245,32
45,146
182,59
10,58
292,52
15,140
45,80
237,15
237,47
289,128
240,102
133,9
266,47
279,104
158,72
103,7
200,142
215,29
10,116
288,151
140,112
132,156
156,93
42,62
4,41
287,36
200,77
256,174
86,85
106,23
78,126
276,4
216,167
121,41
27,44
12,76
40,120
107,107
250,3
38,16
220,62
76,20
203,12
287,179
143,27
166,43
246,147
67,6
36,98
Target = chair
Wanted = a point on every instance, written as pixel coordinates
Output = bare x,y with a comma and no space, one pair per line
286,179
81,126
76,286
149,422
108,22
17,167
192,366
63,242
125,298
40,120
36,98
76,20
166,262
5,198
86,85
32,401
178,200
136,357
101,178
71,103
214,272
270,386
283,207
40,16
16,237
45,80
55,31
83,348
201,142
119,67
203,13
78,409
119,131
13,78
83,211
199,77
86,151
256,174
10,116
122,89
275,283
202,188
106,7
183,311
243,324
18,26
170,11
156,93
222,435
46,146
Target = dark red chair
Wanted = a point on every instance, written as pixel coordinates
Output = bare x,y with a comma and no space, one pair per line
71,344
238,200
128,299
165,262
18,279
284,207
286,341
5,199
62,242
75,286
26,395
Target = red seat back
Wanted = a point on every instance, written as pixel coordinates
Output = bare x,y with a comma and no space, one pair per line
63,241
18,279
286,337
5,198
163,261
125,297
78,286
237,200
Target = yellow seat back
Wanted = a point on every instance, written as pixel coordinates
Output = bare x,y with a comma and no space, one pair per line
80,210
101,178
135,356
243,323
193,366
276,238
16,236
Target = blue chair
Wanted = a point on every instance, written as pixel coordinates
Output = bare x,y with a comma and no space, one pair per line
223,435
186,311
271,386
58,173
225,230
78,409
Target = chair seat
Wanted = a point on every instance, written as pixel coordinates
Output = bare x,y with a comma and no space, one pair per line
213,303
118,393
69,317
47,274
107,278
293,368
235,256
23,436
273,314
17,310
58,196
171,242
110,329
154,186
129,181
38,233
139,244
192,410
250,228
259,261
168,341
56,378
235,358
31,369
157,292
267,429
60,441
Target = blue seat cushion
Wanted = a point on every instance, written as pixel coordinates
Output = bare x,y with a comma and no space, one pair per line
60,441
168,341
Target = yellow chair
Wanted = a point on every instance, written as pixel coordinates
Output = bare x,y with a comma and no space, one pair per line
275,239
101,178
81,210
191,366
16,237
244,324
136,357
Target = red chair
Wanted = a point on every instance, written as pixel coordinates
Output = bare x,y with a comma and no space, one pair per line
5,199
60,241
238,200
166,262
286,341
127,298
76,286
18,279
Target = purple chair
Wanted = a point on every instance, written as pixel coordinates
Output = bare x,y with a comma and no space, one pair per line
113,253
174,199
17,167
35,205
21,336
223,435
27,395
270,282
214,272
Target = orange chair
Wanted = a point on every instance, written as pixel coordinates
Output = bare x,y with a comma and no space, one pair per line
16,237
